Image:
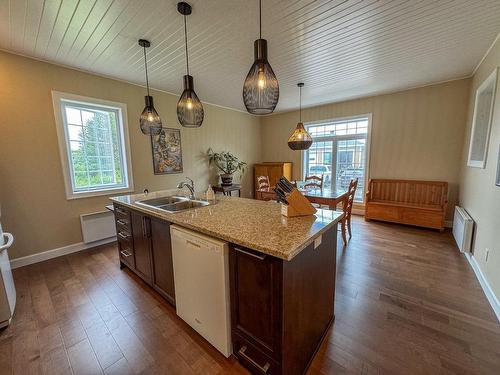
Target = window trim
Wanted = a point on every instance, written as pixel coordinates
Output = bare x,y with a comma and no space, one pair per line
368,146
62,136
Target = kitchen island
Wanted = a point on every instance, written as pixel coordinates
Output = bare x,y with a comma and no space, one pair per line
282,271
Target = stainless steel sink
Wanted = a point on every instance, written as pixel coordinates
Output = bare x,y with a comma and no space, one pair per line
162,201
173,204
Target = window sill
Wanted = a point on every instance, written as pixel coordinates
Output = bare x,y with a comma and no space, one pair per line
99,193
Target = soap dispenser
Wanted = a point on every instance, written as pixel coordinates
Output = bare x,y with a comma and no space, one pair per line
210,193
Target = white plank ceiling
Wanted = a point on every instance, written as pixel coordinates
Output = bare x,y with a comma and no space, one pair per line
341,48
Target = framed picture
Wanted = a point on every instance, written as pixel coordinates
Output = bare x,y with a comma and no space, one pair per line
167,151
481,121
497,181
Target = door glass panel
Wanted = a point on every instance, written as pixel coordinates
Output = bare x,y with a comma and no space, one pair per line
351,164
318,162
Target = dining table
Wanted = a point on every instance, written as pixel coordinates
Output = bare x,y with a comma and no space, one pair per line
326,196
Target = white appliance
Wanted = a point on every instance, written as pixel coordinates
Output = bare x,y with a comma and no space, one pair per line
201,278
462,229
7,288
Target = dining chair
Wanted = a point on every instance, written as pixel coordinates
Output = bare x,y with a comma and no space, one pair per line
347,209
314,182
263,182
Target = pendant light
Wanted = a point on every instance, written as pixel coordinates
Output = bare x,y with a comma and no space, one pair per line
261,90
300,138
149,121
189,108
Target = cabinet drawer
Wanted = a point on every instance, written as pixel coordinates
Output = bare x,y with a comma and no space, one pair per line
124,236
121,213
126,253
123,224
253,359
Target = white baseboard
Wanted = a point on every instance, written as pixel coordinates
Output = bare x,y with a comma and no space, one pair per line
492,298
54,253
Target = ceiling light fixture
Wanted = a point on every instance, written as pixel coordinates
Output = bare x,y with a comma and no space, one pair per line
261,89
189,108
300,138
150,120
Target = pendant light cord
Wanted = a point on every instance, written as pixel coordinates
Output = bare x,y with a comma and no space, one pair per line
300,104
260,19
146,65
186,40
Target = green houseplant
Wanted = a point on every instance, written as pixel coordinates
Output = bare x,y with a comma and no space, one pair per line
227,163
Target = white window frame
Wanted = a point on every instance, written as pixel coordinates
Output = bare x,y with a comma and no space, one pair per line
367,149
63,139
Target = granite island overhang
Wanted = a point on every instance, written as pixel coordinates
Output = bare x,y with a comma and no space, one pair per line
255,224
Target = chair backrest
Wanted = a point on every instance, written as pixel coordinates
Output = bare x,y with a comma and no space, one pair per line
314,182
263,182
408,191
349,199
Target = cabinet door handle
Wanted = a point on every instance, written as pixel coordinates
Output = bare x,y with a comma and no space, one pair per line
122,222
123,236
125,253
146,231
262,369
257,256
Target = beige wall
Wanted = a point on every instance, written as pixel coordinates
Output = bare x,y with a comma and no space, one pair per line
416,134
478,193
34,205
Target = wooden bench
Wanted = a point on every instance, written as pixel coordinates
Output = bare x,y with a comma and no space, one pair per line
412,202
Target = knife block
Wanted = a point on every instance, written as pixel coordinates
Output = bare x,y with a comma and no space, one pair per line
298,205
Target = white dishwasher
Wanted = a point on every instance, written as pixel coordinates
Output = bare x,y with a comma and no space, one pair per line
201,278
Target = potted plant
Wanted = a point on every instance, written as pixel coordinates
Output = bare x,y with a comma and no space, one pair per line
227,163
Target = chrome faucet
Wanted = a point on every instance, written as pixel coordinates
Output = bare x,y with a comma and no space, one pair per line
189,185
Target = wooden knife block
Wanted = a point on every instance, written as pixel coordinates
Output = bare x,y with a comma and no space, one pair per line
298,205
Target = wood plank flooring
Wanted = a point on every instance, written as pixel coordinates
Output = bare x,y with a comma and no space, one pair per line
407,303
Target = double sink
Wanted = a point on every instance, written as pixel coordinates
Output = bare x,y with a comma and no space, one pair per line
173,204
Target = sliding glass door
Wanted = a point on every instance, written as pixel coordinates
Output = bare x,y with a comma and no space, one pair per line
339,153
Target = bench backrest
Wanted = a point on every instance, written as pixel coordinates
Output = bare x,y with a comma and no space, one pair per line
408,191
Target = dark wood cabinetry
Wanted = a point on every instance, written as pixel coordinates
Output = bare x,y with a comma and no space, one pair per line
145,248
281,309
163,270
141,233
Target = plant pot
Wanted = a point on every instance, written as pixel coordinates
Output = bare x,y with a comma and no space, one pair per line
227,179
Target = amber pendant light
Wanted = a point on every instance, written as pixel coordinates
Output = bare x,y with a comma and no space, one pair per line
300,138
189,108
150,121
261,90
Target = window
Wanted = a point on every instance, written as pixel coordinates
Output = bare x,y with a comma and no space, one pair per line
93,141
339,153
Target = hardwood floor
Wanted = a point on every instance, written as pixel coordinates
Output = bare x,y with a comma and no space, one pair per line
407,303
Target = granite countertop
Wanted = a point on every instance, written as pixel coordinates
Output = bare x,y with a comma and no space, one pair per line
255,224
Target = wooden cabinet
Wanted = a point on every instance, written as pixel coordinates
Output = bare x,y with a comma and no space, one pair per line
257,288
272,170
163,270
280,310
141,233
144,247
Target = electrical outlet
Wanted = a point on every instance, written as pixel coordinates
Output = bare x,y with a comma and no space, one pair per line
487,255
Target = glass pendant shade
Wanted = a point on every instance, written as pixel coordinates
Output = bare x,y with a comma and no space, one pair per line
150,121
189,108
261,90
300,138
